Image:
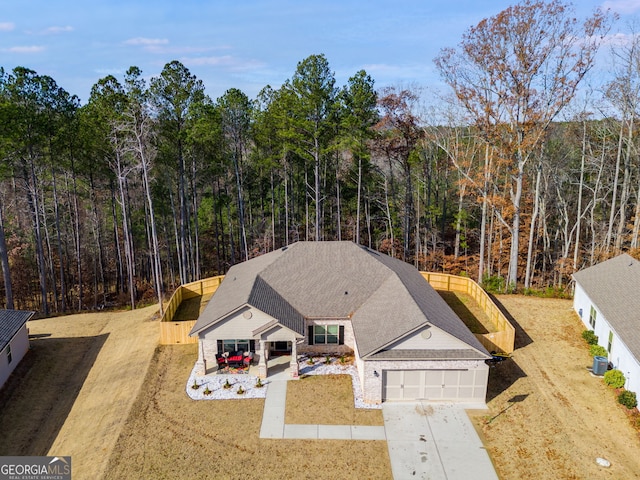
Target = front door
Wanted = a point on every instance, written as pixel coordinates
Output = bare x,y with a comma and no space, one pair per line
281,348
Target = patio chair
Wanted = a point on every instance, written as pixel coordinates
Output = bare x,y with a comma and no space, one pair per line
248,359
221,361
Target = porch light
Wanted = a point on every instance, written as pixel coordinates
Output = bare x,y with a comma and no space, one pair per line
376,374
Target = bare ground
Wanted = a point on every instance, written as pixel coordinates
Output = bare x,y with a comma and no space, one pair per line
171,436
73,393
549,417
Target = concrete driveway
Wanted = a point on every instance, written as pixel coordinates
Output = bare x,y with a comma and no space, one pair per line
434,441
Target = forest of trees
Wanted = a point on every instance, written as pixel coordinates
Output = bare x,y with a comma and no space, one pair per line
149,185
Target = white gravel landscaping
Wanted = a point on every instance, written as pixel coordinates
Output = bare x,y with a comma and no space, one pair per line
215,382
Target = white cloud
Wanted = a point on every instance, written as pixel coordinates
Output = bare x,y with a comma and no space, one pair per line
619,39
622,6
226,61
57,29
109,71
146,42
6,26
25,49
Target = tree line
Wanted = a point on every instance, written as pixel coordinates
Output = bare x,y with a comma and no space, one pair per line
150,185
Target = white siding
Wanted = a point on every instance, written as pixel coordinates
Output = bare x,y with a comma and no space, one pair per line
278,334
237,326
19,346
439,340
622,359
582,305
620,356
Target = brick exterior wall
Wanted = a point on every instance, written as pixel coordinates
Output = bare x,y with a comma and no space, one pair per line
346,349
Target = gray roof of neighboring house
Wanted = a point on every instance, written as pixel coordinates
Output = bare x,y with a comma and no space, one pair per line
614,287
385,298
11,321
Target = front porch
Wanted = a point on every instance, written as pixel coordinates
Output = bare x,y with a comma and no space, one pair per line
211,386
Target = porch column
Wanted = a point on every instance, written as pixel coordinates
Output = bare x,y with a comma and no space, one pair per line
262,363
293,365
201,363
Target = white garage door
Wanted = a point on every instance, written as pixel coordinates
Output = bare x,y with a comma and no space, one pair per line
433,385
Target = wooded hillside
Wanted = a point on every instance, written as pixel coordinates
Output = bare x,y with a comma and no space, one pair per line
148,185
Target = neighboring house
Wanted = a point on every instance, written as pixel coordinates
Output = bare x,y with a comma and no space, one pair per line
14,340
607,299
341,298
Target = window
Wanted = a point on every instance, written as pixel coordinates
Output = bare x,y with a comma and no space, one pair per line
326,334
9,353
592,317
610,342
234,345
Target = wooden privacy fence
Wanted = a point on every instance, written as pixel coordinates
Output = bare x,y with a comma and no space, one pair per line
178,332
503,339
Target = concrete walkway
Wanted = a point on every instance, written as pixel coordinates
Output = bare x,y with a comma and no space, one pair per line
425,440
273,425
434,441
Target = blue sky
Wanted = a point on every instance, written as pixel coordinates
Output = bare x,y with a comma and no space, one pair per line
245,44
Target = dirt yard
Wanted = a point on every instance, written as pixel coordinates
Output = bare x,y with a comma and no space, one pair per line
549,417
97,387
73,391
170,436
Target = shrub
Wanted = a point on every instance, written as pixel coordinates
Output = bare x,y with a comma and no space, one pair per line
628,399
614,378
597,350
207,391
493,284
259,383
590,337
240,390
546,292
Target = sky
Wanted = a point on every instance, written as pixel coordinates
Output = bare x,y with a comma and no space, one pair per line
246,44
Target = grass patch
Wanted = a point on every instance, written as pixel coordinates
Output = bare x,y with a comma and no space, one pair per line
191,308
326,400
469,311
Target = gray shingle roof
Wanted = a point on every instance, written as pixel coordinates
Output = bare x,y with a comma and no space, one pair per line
385,298
463,354
614,287
10,322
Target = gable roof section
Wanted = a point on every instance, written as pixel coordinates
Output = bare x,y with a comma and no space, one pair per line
11,321
614,287
265,298
385,298
430,303
235,290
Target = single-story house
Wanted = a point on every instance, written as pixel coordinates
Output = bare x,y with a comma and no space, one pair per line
14,340
607,299
319,298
